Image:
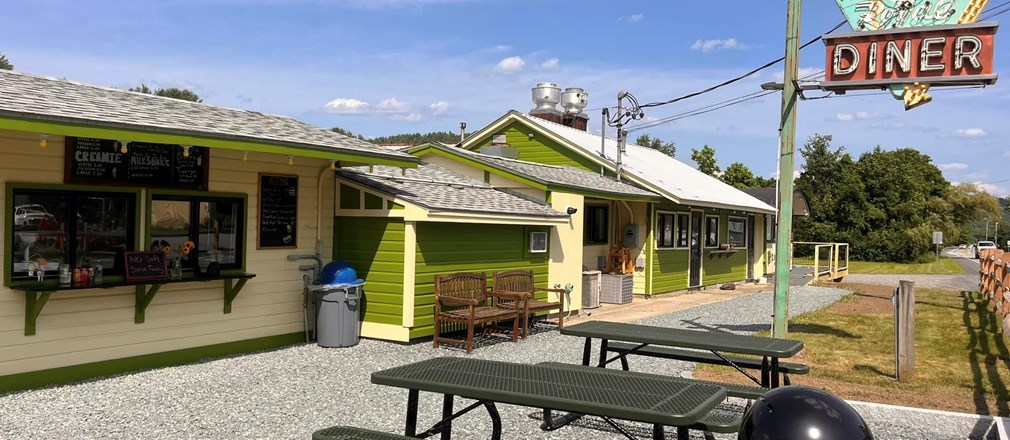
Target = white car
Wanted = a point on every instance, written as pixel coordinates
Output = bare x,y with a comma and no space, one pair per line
983,245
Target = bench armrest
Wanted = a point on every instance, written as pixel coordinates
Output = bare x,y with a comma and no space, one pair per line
544,289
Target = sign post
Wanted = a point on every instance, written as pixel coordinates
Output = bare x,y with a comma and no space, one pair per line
937,240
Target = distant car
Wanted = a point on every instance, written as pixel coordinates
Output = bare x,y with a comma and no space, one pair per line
983,245
30,214
963,246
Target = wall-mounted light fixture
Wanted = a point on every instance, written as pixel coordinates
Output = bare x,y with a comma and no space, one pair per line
571,210
530,136
185,150
43,141
124,146
245,156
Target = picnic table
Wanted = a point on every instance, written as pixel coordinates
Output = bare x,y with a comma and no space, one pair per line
718,343
657,400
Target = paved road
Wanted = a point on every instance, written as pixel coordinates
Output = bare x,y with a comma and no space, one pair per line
965,282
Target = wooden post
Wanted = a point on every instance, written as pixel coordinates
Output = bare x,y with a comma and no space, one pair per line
904,330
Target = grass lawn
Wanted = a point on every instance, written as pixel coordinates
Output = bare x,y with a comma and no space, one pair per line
962,360
945,266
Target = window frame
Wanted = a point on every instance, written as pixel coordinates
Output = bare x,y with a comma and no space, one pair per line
729,236
771,228
532,240
708,225
67,190
196,197
675,217
686,227
586,223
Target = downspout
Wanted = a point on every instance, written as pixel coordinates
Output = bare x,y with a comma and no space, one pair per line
604,116
319,209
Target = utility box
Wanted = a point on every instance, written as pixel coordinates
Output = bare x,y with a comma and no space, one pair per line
591,289
630,238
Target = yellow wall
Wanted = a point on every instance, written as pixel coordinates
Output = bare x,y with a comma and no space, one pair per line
478,174
97,324
566,249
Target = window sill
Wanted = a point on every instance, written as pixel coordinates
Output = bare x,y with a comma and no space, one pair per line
37,294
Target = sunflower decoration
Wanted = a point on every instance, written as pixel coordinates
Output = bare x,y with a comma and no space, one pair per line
188,247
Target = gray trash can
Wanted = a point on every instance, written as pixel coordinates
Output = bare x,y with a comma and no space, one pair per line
337,323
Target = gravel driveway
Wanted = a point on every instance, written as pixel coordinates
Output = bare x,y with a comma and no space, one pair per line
291,392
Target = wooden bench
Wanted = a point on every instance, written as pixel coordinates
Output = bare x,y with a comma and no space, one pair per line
703,357
352,433
521,281
464,298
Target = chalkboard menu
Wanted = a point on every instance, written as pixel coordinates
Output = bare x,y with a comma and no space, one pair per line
278,201
145,266
101,162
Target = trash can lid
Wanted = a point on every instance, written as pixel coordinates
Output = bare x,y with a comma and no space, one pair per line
335,286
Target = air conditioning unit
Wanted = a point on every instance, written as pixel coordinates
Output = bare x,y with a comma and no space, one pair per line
591,289
616,289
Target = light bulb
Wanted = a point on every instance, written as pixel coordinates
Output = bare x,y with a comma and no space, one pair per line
291,160
122,147
43,141
333,164
245,156
403,171
185,150
371,169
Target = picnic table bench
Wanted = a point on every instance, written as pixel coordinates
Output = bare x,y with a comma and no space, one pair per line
649,398
352,433
645,340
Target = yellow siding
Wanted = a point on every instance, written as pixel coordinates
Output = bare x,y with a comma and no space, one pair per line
97,324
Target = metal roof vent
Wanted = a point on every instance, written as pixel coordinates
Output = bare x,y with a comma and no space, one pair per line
546,96
574,99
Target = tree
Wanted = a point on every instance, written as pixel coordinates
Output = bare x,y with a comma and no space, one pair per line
739,176
667,148
347,133
171,92
5,64
705,158
446,137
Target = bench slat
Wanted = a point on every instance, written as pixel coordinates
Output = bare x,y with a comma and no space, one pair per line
352,433
701,357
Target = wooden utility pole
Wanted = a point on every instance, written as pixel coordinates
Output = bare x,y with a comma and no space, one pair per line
787,157
904,331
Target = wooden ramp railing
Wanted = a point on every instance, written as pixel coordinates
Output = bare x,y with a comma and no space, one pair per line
831,260
994,282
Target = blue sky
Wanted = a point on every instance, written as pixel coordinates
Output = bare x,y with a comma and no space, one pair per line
380,67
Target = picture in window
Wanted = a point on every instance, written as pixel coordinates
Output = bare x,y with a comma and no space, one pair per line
712,231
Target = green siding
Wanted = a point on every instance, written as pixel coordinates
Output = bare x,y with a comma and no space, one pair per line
669,270
374,247
350,197
724,268
455,247
540,149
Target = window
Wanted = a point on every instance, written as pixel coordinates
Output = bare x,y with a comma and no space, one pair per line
683,225
771,227
215,225
711,231
664,231
78,228
737,232
538,242
596,224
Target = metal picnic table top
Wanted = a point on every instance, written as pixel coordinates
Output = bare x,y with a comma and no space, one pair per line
702,340
658,400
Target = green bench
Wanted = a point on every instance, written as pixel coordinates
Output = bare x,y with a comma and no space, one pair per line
703,357
352,433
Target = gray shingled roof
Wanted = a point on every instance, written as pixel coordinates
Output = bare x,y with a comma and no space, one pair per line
439,190
563,175
50,99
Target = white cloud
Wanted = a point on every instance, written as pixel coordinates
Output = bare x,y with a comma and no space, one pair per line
347,105
510,65
1006,154
995,190
438,108
970,132
804,73
392,105
409,117
710,45
551,64
859,116
952,166
796,174
502,48
632,18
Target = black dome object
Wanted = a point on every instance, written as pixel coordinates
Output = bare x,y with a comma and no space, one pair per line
802,413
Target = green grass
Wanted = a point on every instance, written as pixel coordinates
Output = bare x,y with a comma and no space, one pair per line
962,360
945,266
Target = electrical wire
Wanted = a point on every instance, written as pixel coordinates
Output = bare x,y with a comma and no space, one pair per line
987,14
731,81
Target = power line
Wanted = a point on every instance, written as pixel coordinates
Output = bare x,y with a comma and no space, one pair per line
731,81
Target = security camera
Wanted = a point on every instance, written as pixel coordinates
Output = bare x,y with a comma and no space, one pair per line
571,211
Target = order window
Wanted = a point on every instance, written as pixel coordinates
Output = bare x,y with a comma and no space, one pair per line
215,226
77,228
737,231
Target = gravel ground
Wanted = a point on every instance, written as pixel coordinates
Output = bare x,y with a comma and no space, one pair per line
949,282
291,392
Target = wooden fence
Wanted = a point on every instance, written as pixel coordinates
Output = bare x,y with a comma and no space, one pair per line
994,282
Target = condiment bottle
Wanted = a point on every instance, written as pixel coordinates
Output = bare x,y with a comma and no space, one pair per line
76,277
97,279
65,275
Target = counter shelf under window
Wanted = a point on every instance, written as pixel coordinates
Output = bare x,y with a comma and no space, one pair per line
75,228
